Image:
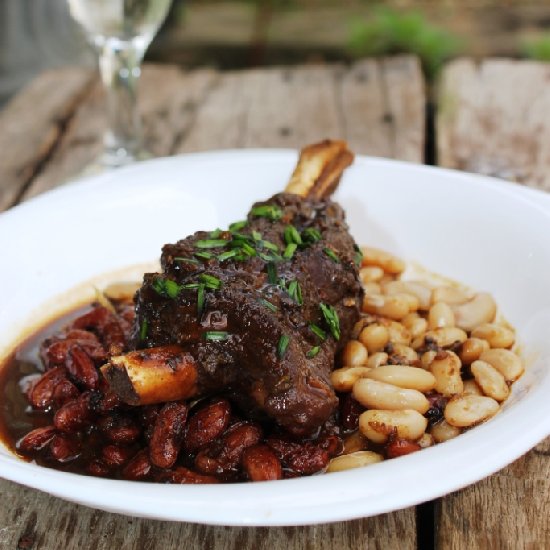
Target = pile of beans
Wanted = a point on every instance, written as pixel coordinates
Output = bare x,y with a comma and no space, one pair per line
425,363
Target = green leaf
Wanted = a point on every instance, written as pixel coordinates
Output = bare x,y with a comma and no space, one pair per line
166,287
237,226
209,281
291,235
311,235
227,255
210,243
204,255
331,319
289,251
269,211
318,331
313,352
186,260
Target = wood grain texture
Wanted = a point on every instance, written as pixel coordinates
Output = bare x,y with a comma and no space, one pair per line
31,126
378,106
493,119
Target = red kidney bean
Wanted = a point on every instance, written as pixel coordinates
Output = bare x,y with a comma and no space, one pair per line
55,353
350,410
106,325
74,415
225,457
63,448
41,393
115,456
183,475
119,428
302,458
261,464
207,424
81,367
400,447
37,439
64,392
98,468
103,402
138,468
168,434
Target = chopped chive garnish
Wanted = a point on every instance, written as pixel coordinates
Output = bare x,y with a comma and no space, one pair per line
291,235
186,260
247,249
256,235
269,245
237,226
239,238
216,335
313,352
281,283
271,273
227,255
295,292
265,257
268,211
282,346
269,305
216,233
204,255
311,235
210,243
289,251
318,331
166,287
210,281
332,255
331,319
143,329
190,286
358,258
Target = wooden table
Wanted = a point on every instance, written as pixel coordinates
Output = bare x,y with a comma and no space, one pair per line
491,118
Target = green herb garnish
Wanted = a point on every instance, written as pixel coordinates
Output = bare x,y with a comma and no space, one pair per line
210,243
318,331
331,319
200,299
247,249
227,255
204,255
295,292
216,233
271,273
268,211
190,286
237,226
311,235
143,329
291,235
358,258
313,352
289,251
257,236
282,346
216,335
332,255
166,287
269,245
209,281
269,305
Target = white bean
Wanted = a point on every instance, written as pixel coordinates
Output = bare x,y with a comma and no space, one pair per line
404,376
354,460
394,307
505,361
497,335
354,354
471,388
447,336
472,349
377,425
388,262
449,294
355,442
372,288
440,315
374,337
398,333
481,309
446,371
469,410
379,395
371,274
490,380
420,291
427,358
426,441
442,431
416,325
405,352
377,359
343,379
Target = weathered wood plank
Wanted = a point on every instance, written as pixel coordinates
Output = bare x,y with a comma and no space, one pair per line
31,124
34,520
493,119
508,511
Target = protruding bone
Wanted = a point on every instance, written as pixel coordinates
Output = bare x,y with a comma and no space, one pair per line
154,375
319,169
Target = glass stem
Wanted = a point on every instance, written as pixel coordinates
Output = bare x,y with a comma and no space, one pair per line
119,65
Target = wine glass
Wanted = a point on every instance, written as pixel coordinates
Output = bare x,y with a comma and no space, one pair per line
120,31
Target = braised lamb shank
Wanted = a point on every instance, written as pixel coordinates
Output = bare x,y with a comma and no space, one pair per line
258,311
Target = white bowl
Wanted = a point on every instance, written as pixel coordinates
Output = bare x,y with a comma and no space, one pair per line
486,233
